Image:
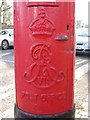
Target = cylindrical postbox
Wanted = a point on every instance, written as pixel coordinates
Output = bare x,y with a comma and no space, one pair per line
44,59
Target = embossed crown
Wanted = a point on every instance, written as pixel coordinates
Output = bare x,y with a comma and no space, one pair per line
42,25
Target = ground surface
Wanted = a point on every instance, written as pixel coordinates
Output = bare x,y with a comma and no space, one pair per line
7,88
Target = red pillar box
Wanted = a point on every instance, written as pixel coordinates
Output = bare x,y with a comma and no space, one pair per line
44,59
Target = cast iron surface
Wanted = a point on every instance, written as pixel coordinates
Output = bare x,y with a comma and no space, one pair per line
21,114
44,56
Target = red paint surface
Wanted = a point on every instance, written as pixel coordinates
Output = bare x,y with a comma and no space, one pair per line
44,57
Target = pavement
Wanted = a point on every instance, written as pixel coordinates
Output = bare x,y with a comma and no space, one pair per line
7,87
81,96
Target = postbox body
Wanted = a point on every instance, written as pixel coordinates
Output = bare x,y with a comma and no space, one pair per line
44,57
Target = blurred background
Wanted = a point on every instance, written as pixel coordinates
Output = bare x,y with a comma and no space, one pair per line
6,13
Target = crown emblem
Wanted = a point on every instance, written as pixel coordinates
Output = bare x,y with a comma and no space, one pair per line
42,25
